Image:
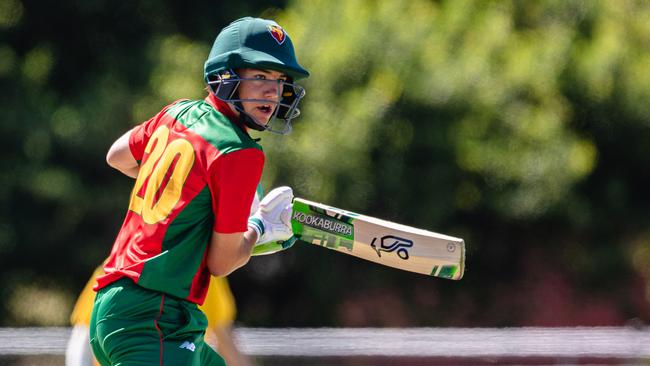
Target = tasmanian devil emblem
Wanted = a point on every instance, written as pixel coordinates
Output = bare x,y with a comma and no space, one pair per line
277,33
390,243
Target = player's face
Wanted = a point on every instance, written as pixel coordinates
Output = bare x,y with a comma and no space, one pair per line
265,86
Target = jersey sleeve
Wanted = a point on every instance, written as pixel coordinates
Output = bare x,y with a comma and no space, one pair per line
234,178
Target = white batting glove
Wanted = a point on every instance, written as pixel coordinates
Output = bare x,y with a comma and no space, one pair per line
272,221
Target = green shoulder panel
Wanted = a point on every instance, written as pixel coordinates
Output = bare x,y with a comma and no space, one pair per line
211,125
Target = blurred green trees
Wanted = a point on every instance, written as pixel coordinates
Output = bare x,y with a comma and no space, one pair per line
521,126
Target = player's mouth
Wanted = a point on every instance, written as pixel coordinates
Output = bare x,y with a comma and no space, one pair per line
265,109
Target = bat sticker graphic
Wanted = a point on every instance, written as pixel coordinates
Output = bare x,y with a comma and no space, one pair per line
394,244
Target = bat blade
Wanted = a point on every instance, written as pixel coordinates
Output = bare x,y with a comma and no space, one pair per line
380,241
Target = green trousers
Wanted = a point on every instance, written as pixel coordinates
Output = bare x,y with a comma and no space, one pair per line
133,326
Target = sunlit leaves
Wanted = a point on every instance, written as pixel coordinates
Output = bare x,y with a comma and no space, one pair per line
11,12
7,60
178,72
448,113
54,183
67,124
38,304
502,65
38,64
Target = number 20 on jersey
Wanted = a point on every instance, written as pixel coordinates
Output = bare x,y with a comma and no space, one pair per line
154,196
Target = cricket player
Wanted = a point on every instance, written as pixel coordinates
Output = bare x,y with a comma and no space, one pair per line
196,170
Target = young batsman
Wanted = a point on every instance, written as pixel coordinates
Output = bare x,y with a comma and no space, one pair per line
196,170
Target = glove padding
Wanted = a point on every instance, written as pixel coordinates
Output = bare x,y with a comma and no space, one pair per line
272,221
273,246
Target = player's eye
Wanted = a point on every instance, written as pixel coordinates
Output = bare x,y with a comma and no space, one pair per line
260,76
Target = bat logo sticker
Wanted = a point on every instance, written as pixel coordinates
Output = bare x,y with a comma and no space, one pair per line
390,243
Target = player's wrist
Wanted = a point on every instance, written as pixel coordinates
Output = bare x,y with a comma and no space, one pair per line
257,225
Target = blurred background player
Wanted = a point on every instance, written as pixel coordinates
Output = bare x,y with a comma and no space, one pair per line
219,307
78,352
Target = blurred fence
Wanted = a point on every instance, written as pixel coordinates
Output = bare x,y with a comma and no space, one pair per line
387,346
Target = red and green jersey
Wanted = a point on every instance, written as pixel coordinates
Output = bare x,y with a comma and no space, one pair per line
198,174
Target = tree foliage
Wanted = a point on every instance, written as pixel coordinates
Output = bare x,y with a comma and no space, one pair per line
519,126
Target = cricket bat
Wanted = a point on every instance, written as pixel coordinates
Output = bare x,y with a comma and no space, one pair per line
380,241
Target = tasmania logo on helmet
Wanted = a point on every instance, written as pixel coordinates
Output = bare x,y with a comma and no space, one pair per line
277,33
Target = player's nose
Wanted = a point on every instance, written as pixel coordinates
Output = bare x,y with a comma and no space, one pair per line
272,90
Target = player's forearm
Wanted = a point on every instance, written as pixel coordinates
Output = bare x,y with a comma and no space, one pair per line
228,252
245,249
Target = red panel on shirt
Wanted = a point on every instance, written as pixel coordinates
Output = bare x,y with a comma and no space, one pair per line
233,182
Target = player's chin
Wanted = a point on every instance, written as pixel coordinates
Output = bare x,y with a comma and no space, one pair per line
262,118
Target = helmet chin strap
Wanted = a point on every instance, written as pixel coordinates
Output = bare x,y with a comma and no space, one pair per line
246,118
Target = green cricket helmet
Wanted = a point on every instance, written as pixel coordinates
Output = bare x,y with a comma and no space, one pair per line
260,44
